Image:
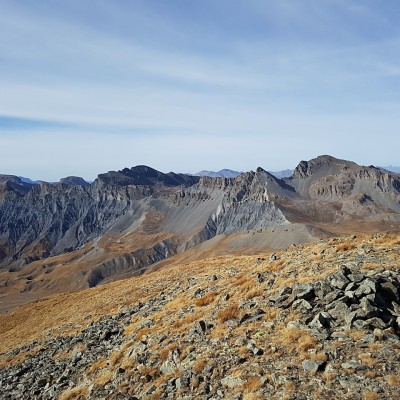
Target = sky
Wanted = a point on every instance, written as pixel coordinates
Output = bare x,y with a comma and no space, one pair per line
185,85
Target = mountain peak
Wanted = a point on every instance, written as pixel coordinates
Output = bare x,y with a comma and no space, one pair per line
74,180
325,164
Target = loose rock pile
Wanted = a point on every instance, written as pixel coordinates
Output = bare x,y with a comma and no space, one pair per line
347,299
57,364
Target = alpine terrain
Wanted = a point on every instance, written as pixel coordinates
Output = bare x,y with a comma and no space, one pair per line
151,285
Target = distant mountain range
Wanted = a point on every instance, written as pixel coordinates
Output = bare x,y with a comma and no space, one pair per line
71,235
229,173
392,169
223,173
69,180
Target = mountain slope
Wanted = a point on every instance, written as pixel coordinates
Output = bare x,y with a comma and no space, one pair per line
223,173
63,237
311,322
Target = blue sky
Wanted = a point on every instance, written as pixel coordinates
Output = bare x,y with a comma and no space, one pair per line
185,85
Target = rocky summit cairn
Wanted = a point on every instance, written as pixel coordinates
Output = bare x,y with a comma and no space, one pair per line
346,299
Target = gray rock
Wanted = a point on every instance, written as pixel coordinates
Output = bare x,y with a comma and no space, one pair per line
356,277
302,305
182,382
312,366
389,291
321,320
351,365
281,295
305,292
339,280
369,310
232,382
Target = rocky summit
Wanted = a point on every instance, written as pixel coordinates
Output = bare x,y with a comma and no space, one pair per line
72,235
315,321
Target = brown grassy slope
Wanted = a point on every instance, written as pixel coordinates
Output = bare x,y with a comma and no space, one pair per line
66,313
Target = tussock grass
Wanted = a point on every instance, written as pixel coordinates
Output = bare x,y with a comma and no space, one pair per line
103,377
368,395
252,384
206,300
231,312
296,341
165,351
99,364
367,359
393,380
345,247
76,393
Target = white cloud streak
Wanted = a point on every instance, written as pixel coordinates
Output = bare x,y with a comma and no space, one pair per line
169,84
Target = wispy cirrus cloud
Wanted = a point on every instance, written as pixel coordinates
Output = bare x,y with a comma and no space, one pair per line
264,72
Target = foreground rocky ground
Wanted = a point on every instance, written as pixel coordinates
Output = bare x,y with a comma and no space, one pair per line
316,321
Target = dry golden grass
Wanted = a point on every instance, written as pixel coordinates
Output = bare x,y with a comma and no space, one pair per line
240,280
116,357
252,384
252,396
99,364
355,335
370,395
206,299
230,312
144,332
255,292
166,350
199,365
76,393
296,341
375,346
317,356
328,377
290,387
184,322
393,380
103,377
147,370
389,239
367,359
345,247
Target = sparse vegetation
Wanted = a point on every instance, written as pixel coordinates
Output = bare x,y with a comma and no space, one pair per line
228,313
76,393
206,300
193,330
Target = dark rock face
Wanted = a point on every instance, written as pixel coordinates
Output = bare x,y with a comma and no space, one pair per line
74,180
146,176
37,221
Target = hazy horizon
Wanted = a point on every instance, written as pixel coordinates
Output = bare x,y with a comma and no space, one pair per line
92,178
185,86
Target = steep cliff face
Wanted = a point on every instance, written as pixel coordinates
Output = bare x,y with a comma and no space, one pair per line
127,220
328,179
39,221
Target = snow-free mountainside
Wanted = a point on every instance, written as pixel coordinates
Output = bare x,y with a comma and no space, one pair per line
146,285
72,235
316,321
